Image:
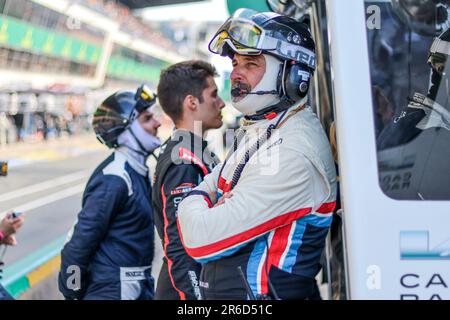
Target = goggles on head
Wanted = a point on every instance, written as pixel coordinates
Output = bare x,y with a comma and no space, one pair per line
219,44
245,36
145,98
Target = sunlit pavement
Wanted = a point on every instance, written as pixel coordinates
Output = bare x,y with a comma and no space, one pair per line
46,181
22,153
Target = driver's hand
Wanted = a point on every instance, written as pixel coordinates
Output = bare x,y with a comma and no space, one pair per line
10,225
10,240
226,195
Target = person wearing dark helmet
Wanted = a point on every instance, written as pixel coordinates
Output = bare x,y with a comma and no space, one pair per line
258,222
421,132
424,111
109,253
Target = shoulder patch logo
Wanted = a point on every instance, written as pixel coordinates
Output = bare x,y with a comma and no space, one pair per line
183,188
187,155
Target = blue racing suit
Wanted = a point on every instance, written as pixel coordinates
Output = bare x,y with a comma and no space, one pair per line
109,254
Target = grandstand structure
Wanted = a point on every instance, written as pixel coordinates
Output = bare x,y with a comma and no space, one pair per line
59,57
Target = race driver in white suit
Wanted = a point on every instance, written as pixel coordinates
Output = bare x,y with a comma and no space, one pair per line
258,222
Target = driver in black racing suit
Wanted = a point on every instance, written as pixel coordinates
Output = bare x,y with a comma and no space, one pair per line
188,94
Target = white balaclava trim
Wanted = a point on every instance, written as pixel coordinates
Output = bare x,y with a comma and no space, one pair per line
148,141
253,102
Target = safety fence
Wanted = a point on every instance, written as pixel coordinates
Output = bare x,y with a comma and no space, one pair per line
33,269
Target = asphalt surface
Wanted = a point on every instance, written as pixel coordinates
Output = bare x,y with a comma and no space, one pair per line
49,219
45,182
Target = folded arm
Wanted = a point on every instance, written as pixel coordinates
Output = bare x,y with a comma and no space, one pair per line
260,203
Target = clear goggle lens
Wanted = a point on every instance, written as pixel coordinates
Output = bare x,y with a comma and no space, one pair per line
218,42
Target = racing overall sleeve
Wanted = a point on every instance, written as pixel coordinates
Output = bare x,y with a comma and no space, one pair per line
183,271
104,195
262,201
208,186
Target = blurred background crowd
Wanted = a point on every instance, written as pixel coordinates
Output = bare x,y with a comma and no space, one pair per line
59,59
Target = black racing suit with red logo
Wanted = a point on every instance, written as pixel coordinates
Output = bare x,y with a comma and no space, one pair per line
183,162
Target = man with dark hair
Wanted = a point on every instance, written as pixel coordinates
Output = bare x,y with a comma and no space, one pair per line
188,94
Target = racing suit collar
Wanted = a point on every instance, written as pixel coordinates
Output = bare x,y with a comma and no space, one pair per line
195,144
190,140
265,123
195,138
140,168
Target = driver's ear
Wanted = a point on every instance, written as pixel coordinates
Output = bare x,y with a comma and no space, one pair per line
190,102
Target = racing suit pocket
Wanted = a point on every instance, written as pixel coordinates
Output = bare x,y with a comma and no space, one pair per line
289,286
136,283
